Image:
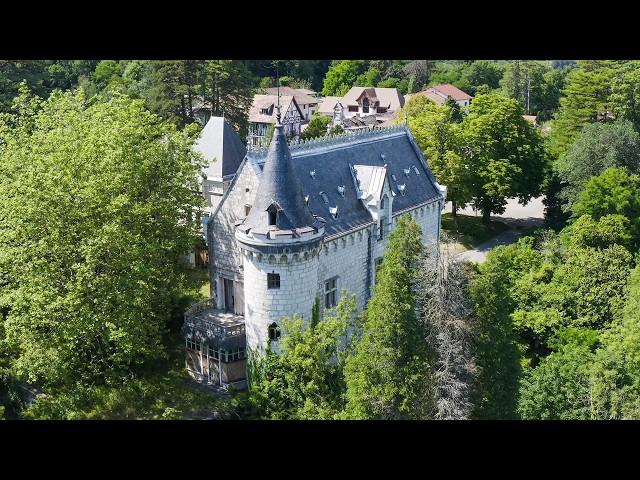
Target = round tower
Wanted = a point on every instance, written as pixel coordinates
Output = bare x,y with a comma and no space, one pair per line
280,242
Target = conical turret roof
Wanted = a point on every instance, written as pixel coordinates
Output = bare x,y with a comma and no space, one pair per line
280,189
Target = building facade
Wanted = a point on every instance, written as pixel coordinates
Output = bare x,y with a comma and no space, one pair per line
301,222
262,115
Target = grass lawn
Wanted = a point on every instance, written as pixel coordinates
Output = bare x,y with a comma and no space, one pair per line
470,231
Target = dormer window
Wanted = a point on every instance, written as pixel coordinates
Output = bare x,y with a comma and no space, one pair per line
402,189
341,190
272,212
334,211
312,173
407,172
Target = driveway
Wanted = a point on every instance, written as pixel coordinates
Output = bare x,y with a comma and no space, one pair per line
518,217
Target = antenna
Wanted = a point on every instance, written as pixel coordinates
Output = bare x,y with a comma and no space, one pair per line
278,84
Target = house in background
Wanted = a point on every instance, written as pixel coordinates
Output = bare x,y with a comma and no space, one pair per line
439,94
363,101
308,104
263,114
362,107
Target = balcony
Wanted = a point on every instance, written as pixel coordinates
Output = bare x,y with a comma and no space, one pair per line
214,327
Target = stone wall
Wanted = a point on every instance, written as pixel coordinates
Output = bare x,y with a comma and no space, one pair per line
224,255
345,258
298,284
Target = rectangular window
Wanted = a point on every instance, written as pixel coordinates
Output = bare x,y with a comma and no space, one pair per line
213,353
381,229
194,345
273,280
330,292
377,264
353,108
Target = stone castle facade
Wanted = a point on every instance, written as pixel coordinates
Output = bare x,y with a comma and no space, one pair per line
301,222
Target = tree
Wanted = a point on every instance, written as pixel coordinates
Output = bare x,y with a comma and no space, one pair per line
342,76
306,381
370,78
438,138
227,87
317,127
560,388
445,310
625,90
88,288
612,192
586,99
525,81
597,148
496,347
388,375
617,363
602,233
504,152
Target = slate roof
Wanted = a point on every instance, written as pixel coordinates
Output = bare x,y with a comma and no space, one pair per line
279,186
301,97
221,148
333,158
270,102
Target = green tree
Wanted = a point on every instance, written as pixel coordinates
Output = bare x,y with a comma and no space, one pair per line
89,287
306,381
317,127
504,152
342,76
612,192
597,148
438,138
561,388
526,82
370,78
617,363
497,352
625,91
388,375
586,99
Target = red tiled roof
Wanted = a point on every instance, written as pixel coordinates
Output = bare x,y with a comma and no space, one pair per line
450,91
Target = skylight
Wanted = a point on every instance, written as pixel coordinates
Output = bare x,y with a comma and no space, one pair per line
415,169
324,197
394,178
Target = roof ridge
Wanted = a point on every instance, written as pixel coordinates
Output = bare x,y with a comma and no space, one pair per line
334,140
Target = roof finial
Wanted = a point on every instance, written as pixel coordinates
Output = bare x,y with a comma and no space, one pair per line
278,83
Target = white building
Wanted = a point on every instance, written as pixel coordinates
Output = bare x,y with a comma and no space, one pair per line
263,114
303,222
307,103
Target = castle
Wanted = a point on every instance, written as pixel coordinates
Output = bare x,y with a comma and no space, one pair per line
302,222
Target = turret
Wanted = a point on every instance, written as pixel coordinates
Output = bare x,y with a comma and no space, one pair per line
280,241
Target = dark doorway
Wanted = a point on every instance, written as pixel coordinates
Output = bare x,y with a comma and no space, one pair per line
229,296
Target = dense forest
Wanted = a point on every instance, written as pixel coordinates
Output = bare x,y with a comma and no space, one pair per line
96,197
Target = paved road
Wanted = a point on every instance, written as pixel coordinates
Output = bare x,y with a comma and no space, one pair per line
518,217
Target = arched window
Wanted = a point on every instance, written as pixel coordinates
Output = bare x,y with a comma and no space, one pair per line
274,332
365,105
